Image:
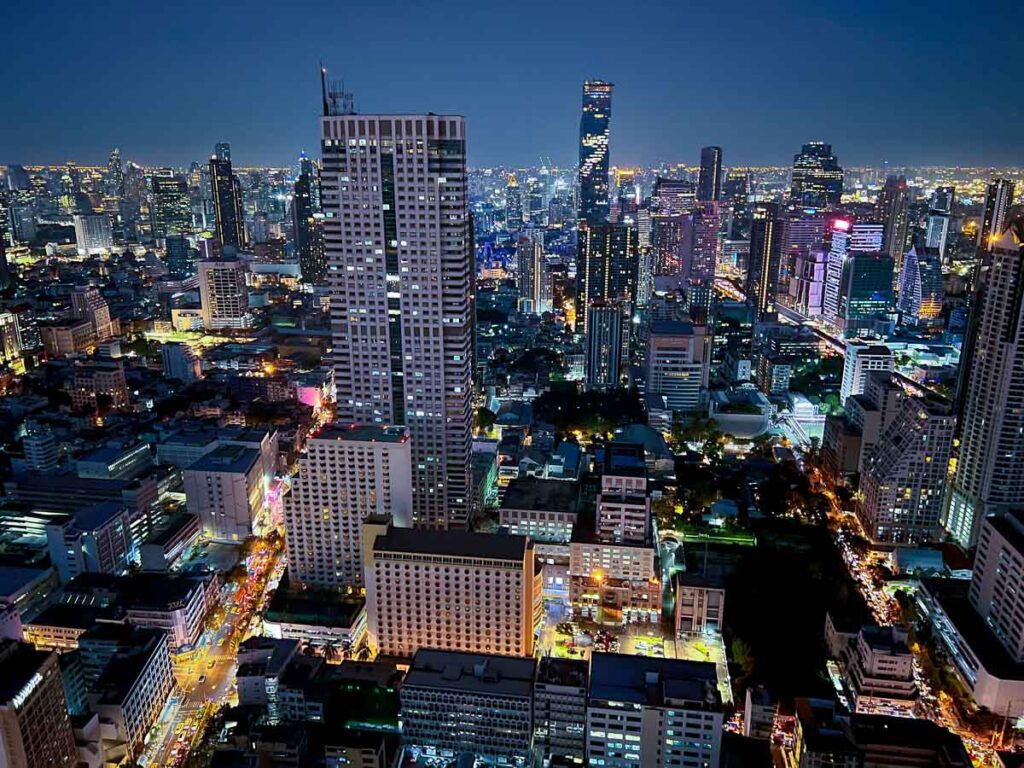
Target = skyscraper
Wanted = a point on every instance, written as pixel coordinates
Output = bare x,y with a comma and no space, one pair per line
222,151
400,253
223,294
93,234
998,199
170,210
594,136
227,203
513,204
308,239
765,255
817,177
891,210
607,266
920,297
710,179
605,323
115,174
847,238
989,475
529,269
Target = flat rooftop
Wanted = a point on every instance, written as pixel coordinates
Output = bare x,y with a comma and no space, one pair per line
364,433
565,672
487,674
653,681
540,495
491,546
18,663
227,458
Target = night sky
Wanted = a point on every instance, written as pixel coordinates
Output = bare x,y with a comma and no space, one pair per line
905,81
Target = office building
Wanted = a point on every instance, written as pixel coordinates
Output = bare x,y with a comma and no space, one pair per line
402,292
544,510
181,257
180,362
308,229
678,363
595,122
847,238
87,303
560,708
227,203
224,295
606,328
865,292
904,480
95,539
807,283
451,590
93,234
700,603
892,210
709,180
40,447
998,199
989,476
939,221
765,259
920,287
225,489
349,473
860,359
880,672
623,504
997,581
35,728
456,706
171,210
607,267
653,712
817,177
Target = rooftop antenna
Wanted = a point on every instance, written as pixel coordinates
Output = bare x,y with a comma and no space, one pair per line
323,88
336,101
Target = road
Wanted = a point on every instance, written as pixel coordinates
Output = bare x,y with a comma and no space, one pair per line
205,675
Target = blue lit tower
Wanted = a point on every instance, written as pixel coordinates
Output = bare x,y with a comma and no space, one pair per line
594,133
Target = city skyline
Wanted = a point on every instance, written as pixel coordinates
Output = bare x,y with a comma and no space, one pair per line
171,111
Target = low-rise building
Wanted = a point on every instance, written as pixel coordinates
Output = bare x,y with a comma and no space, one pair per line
700,603
542,510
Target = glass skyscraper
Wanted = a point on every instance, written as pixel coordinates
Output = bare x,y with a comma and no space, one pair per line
709,182
817,177
594,133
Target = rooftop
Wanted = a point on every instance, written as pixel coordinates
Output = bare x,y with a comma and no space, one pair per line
227,458
493,546
19,662
365,433
537,495
484,673
565,672
653,681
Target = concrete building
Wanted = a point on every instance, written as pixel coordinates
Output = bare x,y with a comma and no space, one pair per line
348,474
560,708
623,503
98,381
542,510
905,474
93,234
606,335
860,359
700,603
66,337
678,363
226,490
455,705
989,476
653,712
880,672
997,583
180,362
118,459
453,590
35,728
402,286
223,295
96,539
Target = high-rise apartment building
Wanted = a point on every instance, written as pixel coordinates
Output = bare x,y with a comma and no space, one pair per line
223,294
530,269
513,204
595,122
93,234
709,180
817,177
606,328
765,258
903,484
227,203
35,728
989,475
997,582
450,590
860,359
607,267
678,363
998,199
308,230
400,261
349,473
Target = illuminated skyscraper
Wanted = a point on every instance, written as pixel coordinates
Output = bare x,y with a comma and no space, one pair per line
115,174
606,321
222,151
765,255
989,477
607,266
710,179
891,210
920,297
594,135
847,238
399,250
308,232
227,203
170,209
513,204
998,199
817,177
